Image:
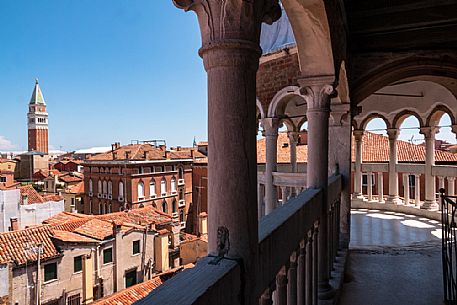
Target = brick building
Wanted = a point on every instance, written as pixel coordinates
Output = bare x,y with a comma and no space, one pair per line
138,175
37,122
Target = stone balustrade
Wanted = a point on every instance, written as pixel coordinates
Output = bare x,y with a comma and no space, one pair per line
288,258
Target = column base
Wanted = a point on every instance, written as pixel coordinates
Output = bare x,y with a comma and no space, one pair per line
393,200
429,205
325,291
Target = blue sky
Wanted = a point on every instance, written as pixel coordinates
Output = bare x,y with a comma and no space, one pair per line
110,71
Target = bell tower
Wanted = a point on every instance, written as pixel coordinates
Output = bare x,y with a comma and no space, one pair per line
37,122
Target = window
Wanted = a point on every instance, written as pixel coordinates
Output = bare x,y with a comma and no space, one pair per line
121,189
110,188
110,209
108,256
90,186
77,264
163,186
72,204
152,188
181,215
173,185
140,190
99,188
100,208
181,173
136,247
50,272
130,278
105,187
173,206
74,299
2,179
365,179
164,207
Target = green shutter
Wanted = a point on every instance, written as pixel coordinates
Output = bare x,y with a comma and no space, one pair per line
50,272
107,255
77,264
136,247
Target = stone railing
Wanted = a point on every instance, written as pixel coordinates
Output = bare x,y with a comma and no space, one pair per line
287,259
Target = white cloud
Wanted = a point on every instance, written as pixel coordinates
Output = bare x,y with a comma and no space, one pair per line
6,144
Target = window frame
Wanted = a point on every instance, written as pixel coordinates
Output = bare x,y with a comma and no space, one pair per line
75,258
48,280
136,246
111,256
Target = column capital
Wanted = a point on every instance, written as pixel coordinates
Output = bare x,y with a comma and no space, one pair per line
392,133
339,114
451,179
358,134
293,136
316,91
270,126
429,132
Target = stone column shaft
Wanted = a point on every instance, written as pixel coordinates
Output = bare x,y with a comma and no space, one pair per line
417,189
370,186
260,195
381,187
271,140
301,274
430,187
450,186
406,188
293,141
393,175
292,280
281,288
358,134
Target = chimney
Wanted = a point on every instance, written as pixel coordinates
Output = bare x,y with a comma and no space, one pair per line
202,224
146,154
192,153
178,148
162,147
166,155
127,154
161,251
25,199
114,155
14,224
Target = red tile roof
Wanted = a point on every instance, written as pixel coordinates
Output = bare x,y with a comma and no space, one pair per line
31,194
53,197
96,228
142,216
17,246
72,237
76,189
135,152
375,149
71,225
65,217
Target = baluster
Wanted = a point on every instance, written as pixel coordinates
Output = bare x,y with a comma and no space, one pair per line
281,287
266,298
292,280
311,272
301,274
315,263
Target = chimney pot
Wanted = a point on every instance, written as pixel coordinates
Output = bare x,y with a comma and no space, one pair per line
14,224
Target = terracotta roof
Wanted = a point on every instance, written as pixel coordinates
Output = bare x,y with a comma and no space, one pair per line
53,197
71,225
65,217
185,154
32,195
69,178
76,189
72,237
142,216
375,149
135,152
16,246
96,228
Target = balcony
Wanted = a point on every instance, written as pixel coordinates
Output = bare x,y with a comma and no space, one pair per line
180,181
294,228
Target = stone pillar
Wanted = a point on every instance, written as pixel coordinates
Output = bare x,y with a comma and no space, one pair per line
317,95
281,287
230,33
260,197
302,279
393,175
381,187
430,187
406,188
284,194
271,141
292,280
417,189
340,149
358,135
293,141
310,275
450,186
370,186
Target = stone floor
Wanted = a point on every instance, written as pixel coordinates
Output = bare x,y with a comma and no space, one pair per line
394,259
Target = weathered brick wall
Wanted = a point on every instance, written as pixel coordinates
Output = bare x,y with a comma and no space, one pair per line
275,74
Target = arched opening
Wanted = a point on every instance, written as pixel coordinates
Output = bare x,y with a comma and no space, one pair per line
164,207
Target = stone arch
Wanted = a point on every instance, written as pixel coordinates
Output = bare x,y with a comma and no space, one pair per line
260,111
289,124
301,122
403,115
409,68
312,35
437,113
280,100
372,116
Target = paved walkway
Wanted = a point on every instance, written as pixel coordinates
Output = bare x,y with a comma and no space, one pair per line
394,259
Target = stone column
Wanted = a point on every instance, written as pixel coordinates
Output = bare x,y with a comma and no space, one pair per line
406,188
293,141
358,135
260,197
230,33
381,187
270,127
393,175
292,280
317,95
370,186
310,275
284,194
302,273
417,189
340,149
430,187
450,186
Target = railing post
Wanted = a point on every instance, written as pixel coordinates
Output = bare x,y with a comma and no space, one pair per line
310,266
281,287
267,297
302,273
292,280
315,260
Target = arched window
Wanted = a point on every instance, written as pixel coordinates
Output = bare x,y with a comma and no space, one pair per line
104,208
140,189
163,186
181,215
99,186
121,189
110,188
105,189
99,208
110,209
173,185
181,173
164,207
152,188
90,186
173,206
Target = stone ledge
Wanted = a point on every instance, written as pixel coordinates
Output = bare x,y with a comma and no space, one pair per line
412,210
